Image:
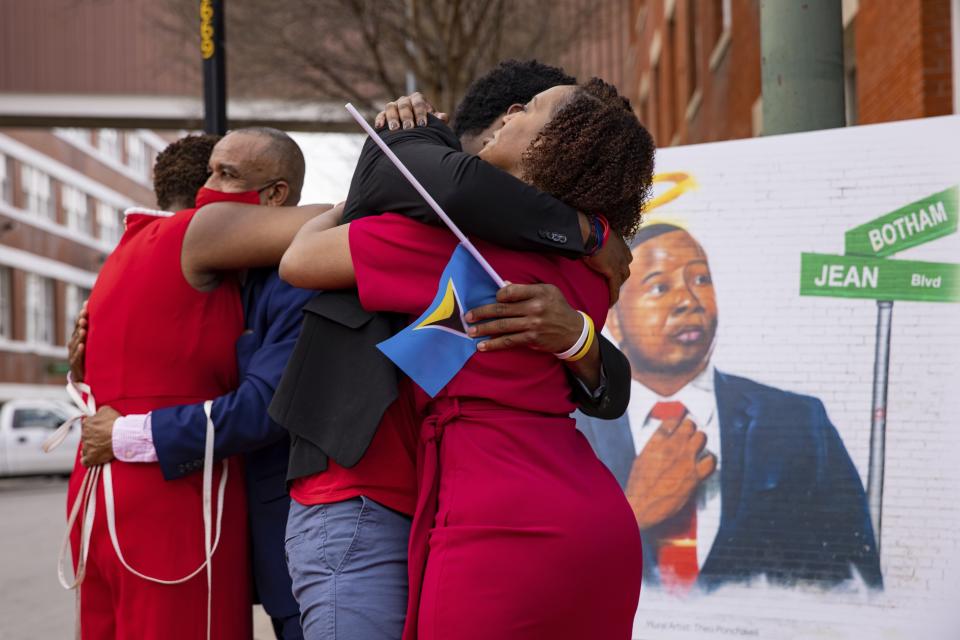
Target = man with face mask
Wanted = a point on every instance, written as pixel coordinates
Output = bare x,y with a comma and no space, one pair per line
729,479
162,447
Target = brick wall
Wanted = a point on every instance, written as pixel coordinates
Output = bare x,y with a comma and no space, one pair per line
937,58
890,60
902,50
903,54
727,61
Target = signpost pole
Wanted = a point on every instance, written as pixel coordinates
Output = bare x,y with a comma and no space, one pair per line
214,67
878,422
801,52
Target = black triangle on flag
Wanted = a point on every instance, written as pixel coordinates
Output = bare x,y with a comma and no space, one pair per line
448,314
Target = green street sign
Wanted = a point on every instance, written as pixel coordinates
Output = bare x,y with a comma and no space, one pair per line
877,279
919,222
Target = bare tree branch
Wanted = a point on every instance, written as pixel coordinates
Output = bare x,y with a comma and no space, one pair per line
360,50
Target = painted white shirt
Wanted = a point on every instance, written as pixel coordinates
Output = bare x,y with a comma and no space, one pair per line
701,402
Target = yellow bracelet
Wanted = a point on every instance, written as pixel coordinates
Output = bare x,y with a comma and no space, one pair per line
591,336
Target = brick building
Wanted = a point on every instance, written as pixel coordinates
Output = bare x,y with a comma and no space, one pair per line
90,92
63,190
62,193
692,67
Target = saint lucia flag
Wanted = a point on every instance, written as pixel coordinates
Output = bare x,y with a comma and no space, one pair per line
435,347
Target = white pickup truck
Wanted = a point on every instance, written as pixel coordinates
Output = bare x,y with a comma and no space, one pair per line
24,425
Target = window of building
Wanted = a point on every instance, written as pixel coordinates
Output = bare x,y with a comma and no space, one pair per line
75,297
75,135
655,115
756,117
672,87
40,309
693,58
108,223
77,209
137,155
108,141
644,93
6,180
721,22
38,192
6,303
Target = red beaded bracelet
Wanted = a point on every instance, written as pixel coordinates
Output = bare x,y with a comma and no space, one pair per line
606,228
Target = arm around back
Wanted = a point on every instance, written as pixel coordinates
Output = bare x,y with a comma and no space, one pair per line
319,258
226,236
481,199
240,417
613,402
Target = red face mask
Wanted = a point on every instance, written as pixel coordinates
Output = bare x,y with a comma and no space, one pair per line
209,196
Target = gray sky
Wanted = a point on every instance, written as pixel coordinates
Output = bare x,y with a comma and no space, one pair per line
330,158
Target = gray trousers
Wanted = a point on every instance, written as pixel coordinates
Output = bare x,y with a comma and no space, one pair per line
348,562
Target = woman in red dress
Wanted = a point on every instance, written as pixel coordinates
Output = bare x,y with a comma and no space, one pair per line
520,531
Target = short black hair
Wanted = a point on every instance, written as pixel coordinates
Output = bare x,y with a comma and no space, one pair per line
651,231
287,154
510,82
181,169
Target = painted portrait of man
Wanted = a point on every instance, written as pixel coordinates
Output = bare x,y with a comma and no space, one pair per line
730,480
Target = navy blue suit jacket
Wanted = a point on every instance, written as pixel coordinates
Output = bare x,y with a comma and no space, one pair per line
793,508
272,312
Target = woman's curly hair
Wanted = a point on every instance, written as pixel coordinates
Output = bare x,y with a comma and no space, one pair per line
595,156
182,168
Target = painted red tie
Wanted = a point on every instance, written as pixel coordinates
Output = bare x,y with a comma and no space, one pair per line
676,537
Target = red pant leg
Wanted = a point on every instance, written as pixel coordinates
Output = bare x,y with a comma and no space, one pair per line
115,603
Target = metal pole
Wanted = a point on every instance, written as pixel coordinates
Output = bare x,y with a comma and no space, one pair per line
214,58
878,422
802,84
801,60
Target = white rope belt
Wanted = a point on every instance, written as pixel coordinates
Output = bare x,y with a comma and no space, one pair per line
87,500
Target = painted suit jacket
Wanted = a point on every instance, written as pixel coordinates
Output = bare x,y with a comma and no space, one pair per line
793,508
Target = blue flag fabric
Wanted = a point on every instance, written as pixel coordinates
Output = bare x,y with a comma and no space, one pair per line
436,346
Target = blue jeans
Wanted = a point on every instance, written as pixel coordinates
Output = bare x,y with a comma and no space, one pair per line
348,562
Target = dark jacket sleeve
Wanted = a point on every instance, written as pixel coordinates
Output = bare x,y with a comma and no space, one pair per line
613,402
337,385
242,423
481,199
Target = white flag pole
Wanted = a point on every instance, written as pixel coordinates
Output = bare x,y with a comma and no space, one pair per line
426,196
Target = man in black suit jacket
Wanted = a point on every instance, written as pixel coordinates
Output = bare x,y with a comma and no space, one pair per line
756,477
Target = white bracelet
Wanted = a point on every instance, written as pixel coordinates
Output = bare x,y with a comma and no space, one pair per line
572,351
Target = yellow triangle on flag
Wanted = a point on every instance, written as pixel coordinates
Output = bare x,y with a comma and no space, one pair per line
446,315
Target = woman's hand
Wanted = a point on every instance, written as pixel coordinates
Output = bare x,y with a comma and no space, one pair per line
536,316
407,111
319,256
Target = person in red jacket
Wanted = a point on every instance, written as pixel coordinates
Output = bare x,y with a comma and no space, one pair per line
164,317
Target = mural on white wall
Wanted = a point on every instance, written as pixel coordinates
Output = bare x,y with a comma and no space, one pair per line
791,445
